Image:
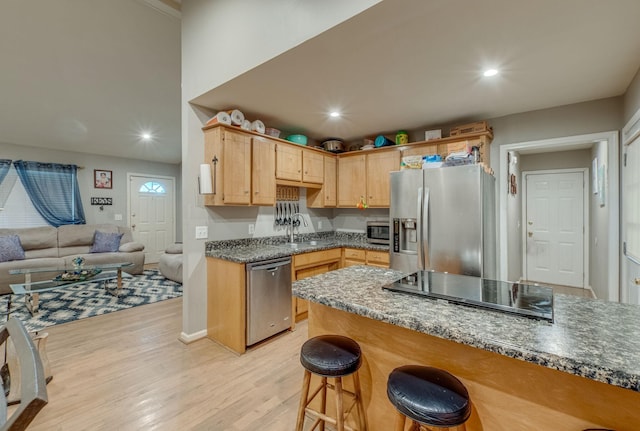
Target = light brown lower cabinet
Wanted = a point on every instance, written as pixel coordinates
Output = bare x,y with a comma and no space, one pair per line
378,258
226,289
227,303
310,264
355,256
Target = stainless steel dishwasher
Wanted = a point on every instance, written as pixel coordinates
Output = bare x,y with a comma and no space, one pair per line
268,298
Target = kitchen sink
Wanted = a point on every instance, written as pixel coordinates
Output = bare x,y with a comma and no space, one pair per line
305,244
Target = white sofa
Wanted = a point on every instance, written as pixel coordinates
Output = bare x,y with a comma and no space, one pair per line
50,247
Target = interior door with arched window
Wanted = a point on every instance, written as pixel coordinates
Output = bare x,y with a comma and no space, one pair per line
152,213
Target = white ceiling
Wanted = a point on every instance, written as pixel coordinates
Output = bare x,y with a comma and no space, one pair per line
408,64
89,75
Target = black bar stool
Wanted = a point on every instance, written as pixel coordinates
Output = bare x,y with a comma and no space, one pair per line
331,356
430,397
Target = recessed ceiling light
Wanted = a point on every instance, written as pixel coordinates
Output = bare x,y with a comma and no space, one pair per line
334,114
490,72
146,136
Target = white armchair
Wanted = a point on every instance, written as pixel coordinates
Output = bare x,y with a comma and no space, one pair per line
170,263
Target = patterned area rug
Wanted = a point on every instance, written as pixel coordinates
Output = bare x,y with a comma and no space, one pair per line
90,299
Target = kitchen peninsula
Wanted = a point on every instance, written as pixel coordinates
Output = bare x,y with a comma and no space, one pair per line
582,371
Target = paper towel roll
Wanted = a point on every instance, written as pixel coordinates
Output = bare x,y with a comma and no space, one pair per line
237,117
258,126
205,179
220,118
246,125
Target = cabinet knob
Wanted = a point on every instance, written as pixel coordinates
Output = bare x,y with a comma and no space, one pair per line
637,281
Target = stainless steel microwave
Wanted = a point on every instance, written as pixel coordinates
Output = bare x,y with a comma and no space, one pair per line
378,232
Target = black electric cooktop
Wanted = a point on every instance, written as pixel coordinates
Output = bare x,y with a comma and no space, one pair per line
515,298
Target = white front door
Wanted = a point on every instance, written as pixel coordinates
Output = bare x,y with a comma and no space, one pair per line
151,213
554,226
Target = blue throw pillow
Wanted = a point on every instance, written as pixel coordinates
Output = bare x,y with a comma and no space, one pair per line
105,242
10,248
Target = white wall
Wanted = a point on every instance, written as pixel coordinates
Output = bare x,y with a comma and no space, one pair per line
598,216
234,222
632,98
599,230
514,215
119,167
225,38
355,220
629,270
570,120
220,40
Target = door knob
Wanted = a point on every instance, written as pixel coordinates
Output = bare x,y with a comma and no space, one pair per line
530,234
637,281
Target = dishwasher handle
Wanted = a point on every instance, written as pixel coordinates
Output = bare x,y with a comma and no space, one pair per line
271,266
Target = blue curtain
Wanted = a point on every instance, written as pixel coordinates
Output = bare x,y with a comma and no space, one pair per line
5,165
54,191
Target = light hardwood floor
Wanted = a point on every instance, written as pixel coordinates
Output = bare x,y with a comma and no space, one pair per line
128,371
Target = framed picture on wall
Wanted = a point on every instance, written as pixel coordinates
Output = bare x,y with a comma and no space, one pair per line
102,179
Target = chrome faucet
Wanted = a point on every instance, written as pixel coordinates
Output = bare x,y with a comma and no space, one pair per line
293,224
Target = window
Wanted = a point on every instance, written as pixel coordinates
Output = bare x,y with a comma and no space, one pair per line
17,211
152,187
53,190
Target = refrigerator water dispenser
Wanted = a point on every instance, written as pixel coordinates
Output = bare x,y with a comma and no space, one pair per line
405,235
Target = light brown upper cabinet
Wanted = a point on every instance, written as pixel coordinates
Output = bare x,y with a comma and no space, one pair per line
366,177
312,167
288,162
296,164
351,180
379,165
326,197
263,180
229,153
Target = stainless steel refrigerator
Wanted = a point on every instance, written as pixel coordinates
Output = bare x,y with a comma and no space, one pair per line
443,219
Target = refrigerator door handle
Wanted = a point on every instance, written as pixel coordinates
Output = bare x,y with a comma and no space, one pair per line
419,223
424,236
423,209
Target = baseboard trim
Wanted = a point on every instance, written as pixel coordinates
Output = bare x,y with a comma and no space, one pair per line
190,338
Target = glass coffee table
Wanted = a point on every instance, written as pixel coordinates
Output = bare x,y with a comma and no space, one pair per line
96,273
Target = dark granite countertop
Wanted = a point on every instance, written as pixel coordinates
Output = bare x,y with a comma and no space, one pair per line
249,250
590,338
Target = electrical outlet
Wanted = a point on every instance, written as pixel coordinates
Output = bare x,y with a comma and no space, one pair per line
252,228
202,232
319,225
117,217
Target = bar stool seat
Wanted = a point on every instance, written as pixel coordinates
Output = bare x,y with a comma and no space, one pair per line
330,356
428,396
